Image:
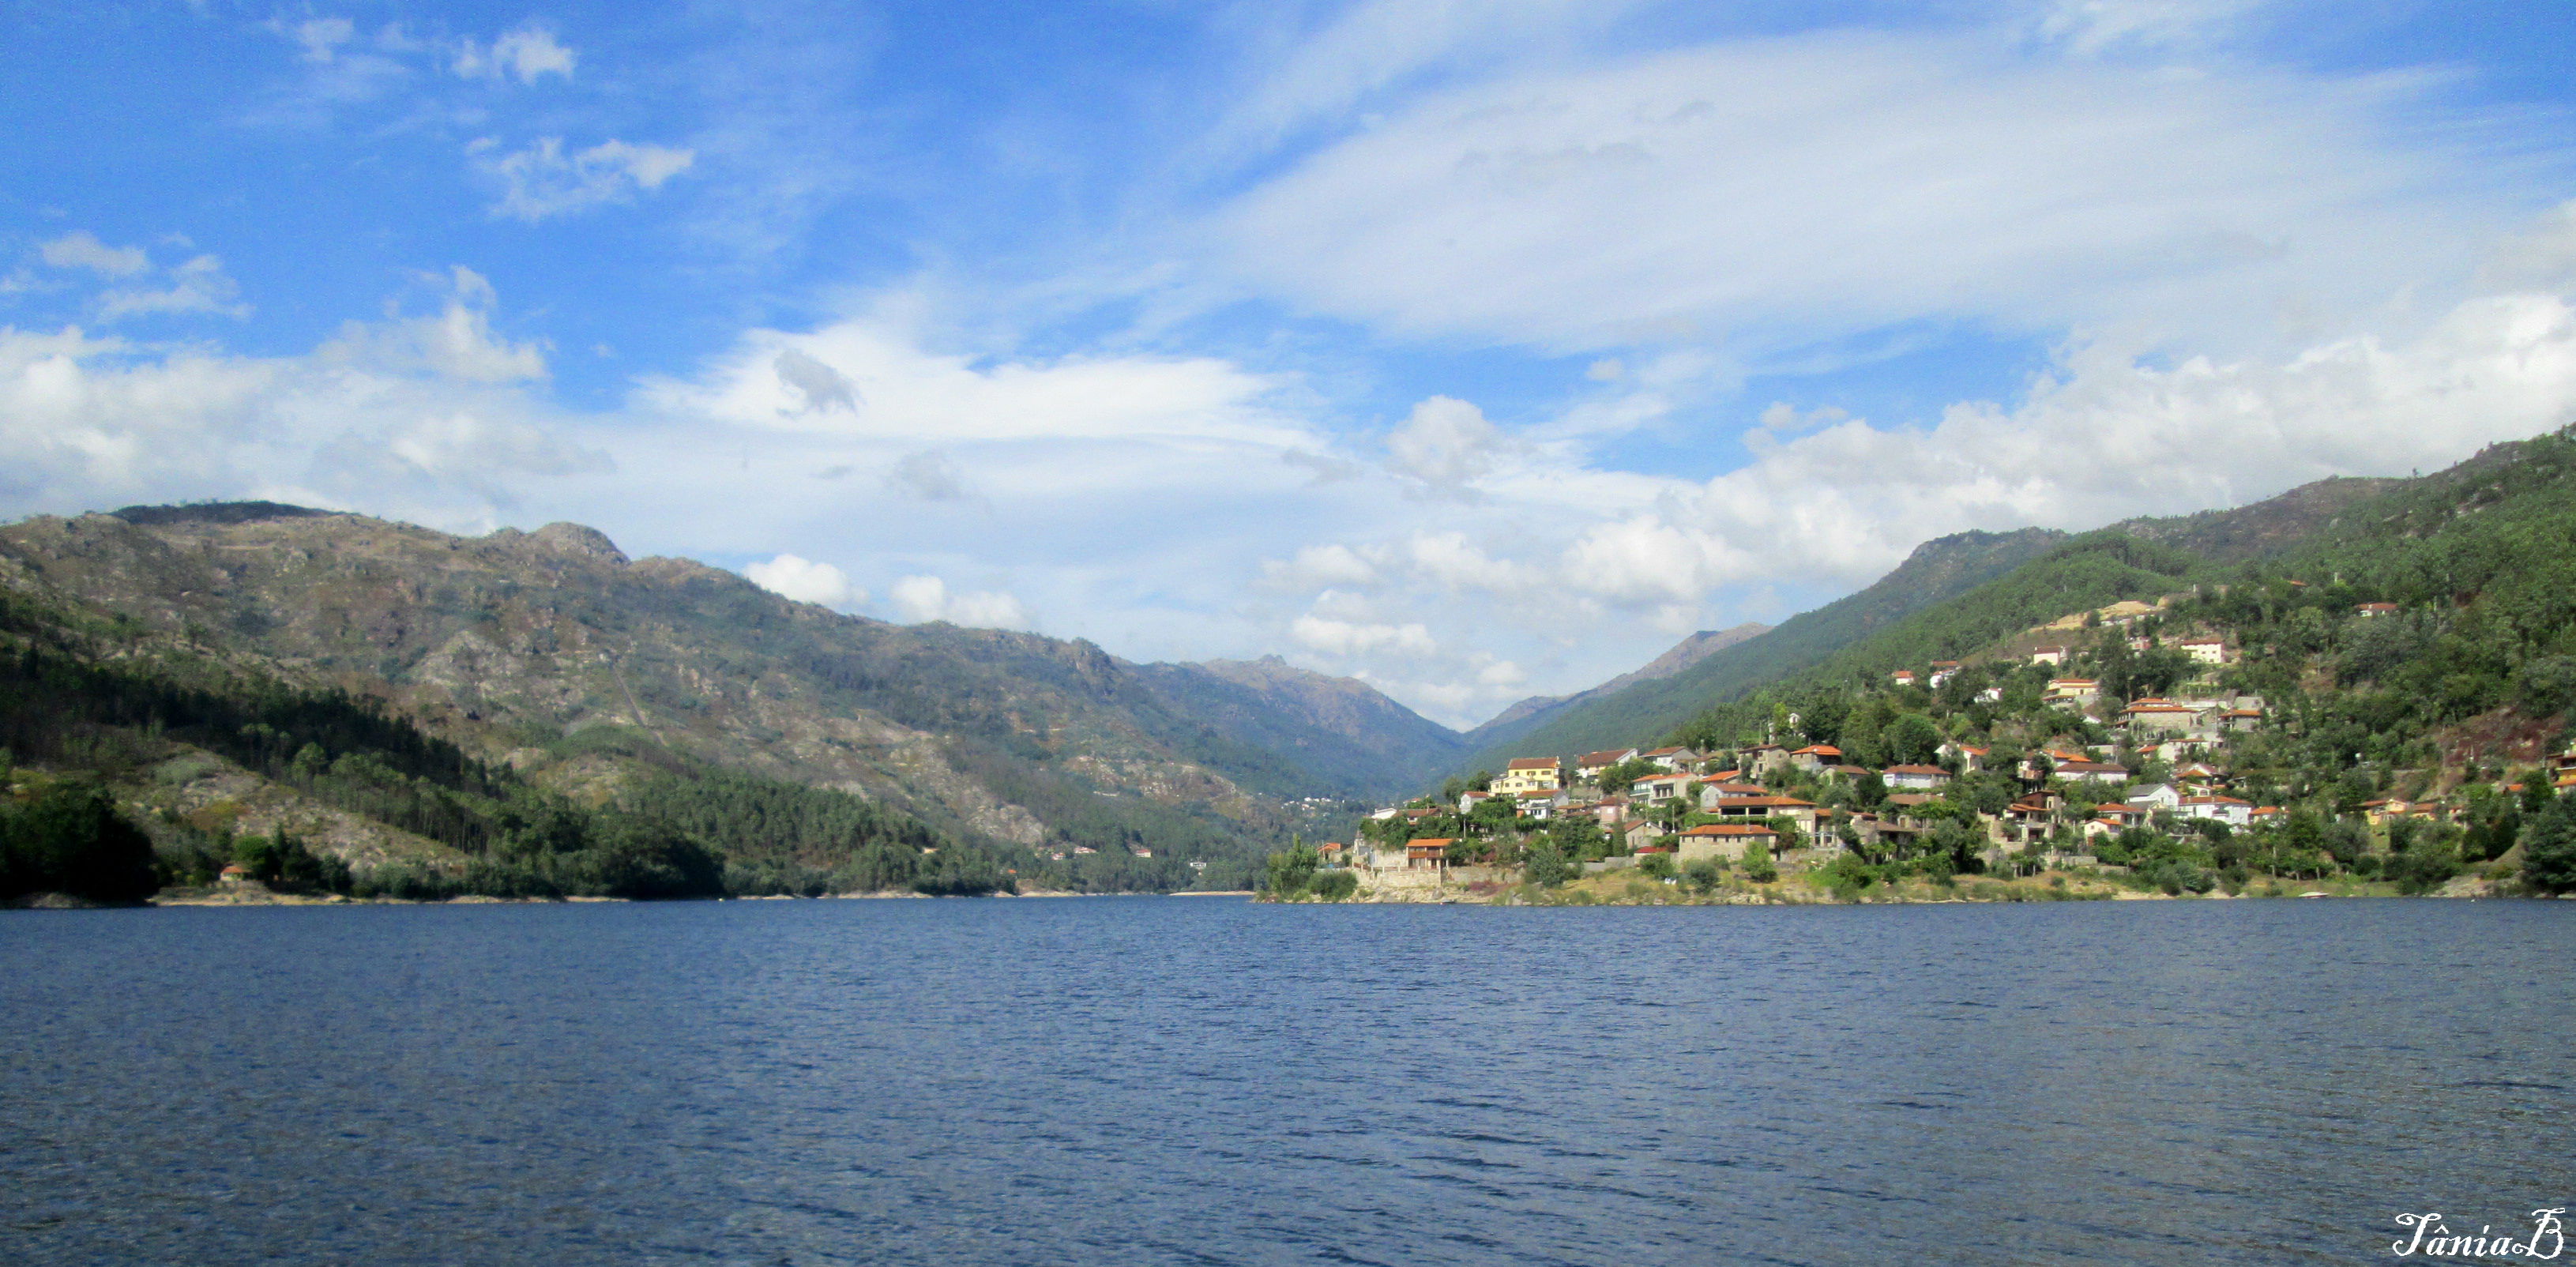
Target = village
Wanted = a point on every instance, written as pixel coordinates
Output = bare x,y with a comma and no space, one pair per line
2104,777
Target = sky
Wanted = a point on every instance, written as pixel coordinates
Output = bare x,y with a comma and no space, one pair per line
1474,349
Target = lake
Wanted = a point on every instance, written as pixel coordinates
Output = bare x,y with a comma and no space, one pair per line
1164,1080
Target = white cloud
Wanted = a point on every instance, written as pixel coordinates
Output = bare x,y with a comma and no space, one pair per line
805,581
542,181
1322,566
196,285
2105,437
88,422
2090,27
929,475
458,343
912,393
1347,638
322,37
1445,443
1370,47
1770,194
925,598
523,53
199,285
84,250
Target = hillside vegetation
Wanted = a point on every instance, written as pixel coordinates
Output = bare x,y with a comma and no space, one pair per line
1937,570
534,713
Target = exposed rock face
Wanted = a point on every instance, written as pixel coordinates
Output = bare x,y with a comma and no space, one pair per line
552,651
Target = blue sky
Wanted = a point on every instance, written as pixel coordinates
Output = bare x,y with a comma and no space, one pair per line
1478,350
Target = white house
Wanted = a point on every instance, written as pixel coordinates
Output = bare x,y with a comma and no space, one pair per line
2205,650
1923,778
2226,809
2154,796
2048,655
2093,772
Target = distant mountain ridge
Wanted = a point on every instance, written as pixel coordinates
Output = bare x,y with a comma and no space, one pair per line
555,652
1531,713
1344,732
1651,709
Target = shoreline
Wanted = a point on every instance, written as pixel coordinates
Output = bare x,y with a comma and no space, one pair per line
263,897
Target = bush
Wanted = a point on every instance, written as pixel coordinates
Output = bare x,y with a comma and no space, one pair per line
1333,886
1705,874
1547,866
1848,876
1758,866
2423,868
1656,865
2177,877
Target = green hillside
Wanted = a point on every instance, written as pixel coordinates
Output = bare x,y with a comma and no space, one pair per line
1935,571
2415,670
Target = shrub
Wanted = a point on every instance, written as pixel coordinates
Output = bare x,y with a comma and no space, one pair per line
1758,866
1334,886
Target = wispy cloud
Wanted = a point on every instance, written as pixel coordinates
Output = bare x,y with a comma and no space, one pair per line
525,54
541,181
137,287
83,250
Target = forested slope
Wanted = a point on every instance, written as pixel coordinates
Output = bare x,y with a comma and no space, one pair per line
1935,571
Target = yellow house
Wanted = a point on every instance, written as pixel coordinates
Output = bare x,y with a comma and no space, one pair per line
1530,774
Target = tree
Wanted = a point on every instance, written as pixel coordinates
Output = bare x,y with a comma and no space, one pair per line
71,840
1758,865
2549,847
1292,869
1546,865
1911,740
1617,778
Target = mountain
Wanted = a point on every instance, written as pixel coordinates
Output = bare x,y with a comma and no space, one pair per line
1341,732
2267,527
552,654
1537,710
1649,709
2480,553
1940,571
2405,651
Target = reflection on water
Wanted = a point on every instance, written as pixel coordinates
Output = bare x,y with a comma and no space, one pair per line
1139,1081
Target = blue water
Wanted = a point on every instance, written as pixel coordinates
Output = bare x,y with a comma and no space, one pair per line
1150,1081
